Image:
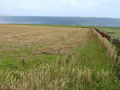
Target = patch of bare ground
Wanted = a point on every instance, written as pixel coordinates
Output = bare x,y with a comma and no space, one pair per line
41,39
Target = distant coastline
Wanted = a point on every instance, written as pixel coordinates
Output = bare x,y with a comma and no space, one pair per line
62,16
60,20
5,15
100,17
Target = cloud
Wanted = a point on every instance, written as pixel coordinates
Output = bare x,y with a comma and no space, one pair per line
29,4
62,7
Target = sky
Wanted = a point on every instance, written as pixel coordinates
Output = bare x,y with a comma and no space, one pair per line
84,8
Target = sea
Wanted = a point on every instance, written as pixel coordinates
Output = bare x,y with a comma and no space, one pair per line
52,20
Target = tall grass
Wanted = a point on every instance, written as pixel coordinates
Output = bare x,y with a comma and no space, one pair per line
111,52
86,68
110,48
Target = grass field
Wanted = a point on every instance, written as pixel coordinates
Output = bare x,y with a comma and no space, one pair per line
113,32
36,57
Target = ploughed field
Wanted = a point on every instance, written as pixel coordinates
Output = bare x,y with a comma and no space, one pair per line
53,58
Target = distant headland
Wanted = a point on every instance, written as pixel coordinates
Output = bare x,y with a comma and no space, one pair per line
5,15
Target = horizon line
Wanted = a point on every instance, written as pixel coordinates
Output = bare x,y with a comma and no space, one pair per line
62,16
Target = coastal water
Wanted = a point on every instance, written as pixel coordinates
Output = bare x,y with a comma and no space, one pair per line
110,22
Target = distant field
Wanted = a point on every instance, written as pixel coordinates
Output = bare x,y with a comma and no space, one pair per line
39,57
114,32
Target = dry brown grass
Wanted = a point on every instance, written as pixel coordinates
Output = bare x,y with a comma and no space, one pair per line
56,76
110,48
42,40
111,53
73,71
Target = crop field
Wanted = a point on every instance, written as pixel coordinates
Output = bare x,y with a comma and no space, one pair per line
36,57
113,31
29,43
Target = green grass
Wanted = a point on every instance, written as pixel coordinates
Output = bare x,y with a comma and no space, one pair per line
86,68
72,26
113,32
19,62
93,57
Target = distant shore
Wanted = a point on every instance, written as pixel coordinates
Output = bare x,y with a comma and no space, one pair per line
62,16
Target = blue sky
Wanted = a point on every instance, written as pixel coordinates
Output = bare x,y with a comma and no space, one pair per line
85,8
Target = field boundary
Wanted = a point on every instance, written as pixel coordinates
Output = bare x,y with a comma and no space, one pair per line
111,49
105,40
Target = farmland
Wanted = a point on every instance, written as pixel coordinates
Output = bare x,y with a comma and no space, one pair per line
53,58
112,31
28,42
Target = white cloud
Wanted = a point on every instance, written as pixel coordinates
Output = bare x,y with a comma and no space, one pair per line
58,6
23,4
